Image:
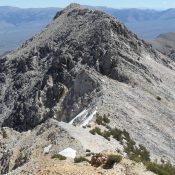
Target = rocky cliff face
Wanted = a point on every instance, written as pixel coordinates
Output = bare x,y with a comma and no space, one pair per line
87,59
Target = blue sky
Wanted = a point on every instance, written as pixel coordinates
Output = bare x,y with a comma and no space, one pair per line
153,4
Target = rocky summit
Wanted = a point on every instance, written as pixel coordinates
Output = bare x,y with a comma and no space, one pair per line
84,62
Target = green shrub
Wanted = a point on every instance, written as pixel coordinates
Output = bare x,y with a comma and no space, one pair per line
144,153
130,146
99,119
126,134
58,156
137,153
89,126
159,169
111,160
92,132
106,135
88,150
96,130
102,120
106,119
117,134
80,159
108,127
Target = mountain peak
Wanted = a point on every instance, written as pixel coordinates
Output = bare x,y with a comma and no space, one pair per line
73,6
76,39
68,8
85,61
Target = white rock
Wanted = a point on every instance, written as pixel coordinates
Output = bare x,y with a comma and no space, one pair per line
69,153
47,149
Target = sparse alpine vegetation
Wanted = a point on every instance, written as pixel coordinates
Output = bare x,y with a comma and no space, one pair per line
111,160
58,156
80,159
136,153
102,120
161,169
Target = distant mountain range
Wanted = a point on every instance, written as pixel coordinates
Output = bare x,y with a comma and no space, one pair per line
147,23
17,25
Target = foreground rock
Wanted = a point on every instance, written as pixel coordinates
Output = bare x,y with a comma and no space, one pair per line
47,166
87,60
33,152
50,138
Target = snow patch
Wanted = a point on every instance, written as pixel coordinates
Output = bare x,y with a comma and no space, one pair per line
69,153
84,113
83,118
86,122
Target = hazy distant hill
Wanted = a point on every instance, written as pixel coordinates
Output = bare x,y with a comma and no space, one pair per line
147,24
165,43
17,25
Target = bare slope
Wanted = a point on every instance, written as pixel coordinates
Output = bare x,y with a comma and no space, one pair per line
88,59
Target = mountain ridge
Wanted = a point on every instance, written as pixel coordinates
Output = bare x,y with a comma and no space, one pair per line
15,23
86,61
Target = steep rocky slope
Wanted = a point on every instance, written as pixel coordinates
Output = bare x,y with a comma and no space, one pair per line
87,61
